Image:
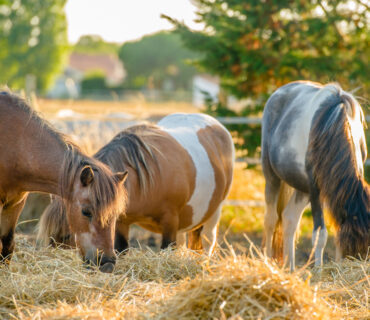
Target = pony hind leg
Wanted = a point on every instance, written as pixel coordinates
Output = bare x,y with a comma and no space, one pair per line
170,225
9,218
291,217
209,232
194,239
271,217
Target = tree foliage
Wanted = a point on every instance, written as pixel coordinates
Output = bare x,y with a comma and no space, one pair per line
33,40
157,58
94,81
256,46
95,44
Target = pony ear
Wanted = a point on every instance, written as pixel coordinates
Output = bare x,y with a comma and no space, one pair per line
87,176
121,176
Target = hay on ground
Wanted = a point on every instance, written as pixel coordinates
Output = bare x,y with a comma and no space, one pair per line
51,283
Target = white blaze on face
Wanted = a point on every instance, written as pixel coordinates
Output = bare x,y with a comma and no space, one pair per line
87,243
183,128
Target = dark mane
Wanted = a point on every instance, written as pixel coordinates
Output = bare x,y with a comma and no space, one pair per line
332,159
129,148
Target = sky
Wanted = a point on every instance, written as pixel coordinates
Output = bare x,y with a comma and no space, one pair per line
124,20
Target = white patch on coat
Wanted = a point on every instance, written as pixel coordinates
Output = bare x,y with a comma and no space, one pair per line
183,128
299,132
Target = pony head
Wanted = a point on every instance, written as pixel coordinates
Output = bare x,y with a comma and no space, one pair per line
93,196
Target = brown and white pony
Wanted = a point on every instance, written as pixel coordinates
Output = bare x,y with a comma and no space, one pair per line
180,171
313,142
34,157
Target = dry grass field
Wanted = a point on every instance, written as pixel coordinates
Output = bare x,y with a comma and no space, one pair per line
238,282
96,109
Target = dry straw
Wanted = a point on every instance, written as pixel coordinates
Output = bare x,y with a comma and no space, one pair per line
50,283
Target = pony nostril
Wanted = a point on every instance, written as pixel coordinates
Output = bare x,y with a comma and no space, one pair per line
107,264
107,267
106,260
104,263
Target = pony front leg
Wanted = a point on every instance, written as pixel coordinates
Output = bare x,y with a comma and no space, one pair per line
338,251
181,239
291,217
319,238
121,242
319,234
9,218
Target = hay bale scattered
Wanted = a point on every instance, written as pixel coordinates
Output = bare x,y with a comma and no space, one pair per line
244,288
51,283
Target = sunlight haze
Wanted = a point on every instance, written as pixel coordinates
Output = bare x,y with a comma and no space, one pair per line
123,20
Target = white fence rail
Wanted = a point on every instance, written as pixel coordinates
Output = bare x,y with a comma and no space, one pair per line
251,120
255,121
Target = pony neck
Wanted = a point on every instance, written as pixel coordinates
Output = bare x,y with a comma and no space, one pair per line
40,168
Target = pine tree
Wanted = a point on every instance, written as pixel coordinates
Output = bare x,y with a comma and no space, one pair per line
255,46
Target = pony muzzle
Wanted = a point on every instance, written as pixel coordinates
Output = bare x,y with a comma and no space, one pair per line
104,263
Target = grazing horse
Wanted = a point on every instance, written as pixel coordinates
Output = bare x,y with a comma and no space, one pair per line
34,157
313,142
180,171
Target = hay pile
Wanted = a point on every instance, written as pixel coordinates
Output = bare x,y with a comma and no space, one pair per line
346,286
52,283
179,284
244,288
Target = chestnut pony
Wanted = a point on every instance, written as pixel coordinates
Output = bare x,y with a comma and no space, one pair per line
313,143
34,157
180,171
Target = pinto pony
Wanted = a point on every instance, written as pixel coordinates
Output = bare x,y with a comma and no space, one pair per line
313,143
179,172
34,157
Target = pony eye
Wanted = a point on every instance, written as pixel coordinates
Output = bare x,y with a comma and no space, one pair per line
87,214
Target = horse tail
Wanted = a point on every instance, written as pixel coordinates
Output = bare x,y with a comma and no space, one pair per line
53,226
277,239
334,159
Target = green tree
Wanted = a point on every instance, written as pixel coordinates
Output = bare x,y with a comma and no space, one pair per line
94,44
33,41
94,81
256,46
157,58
